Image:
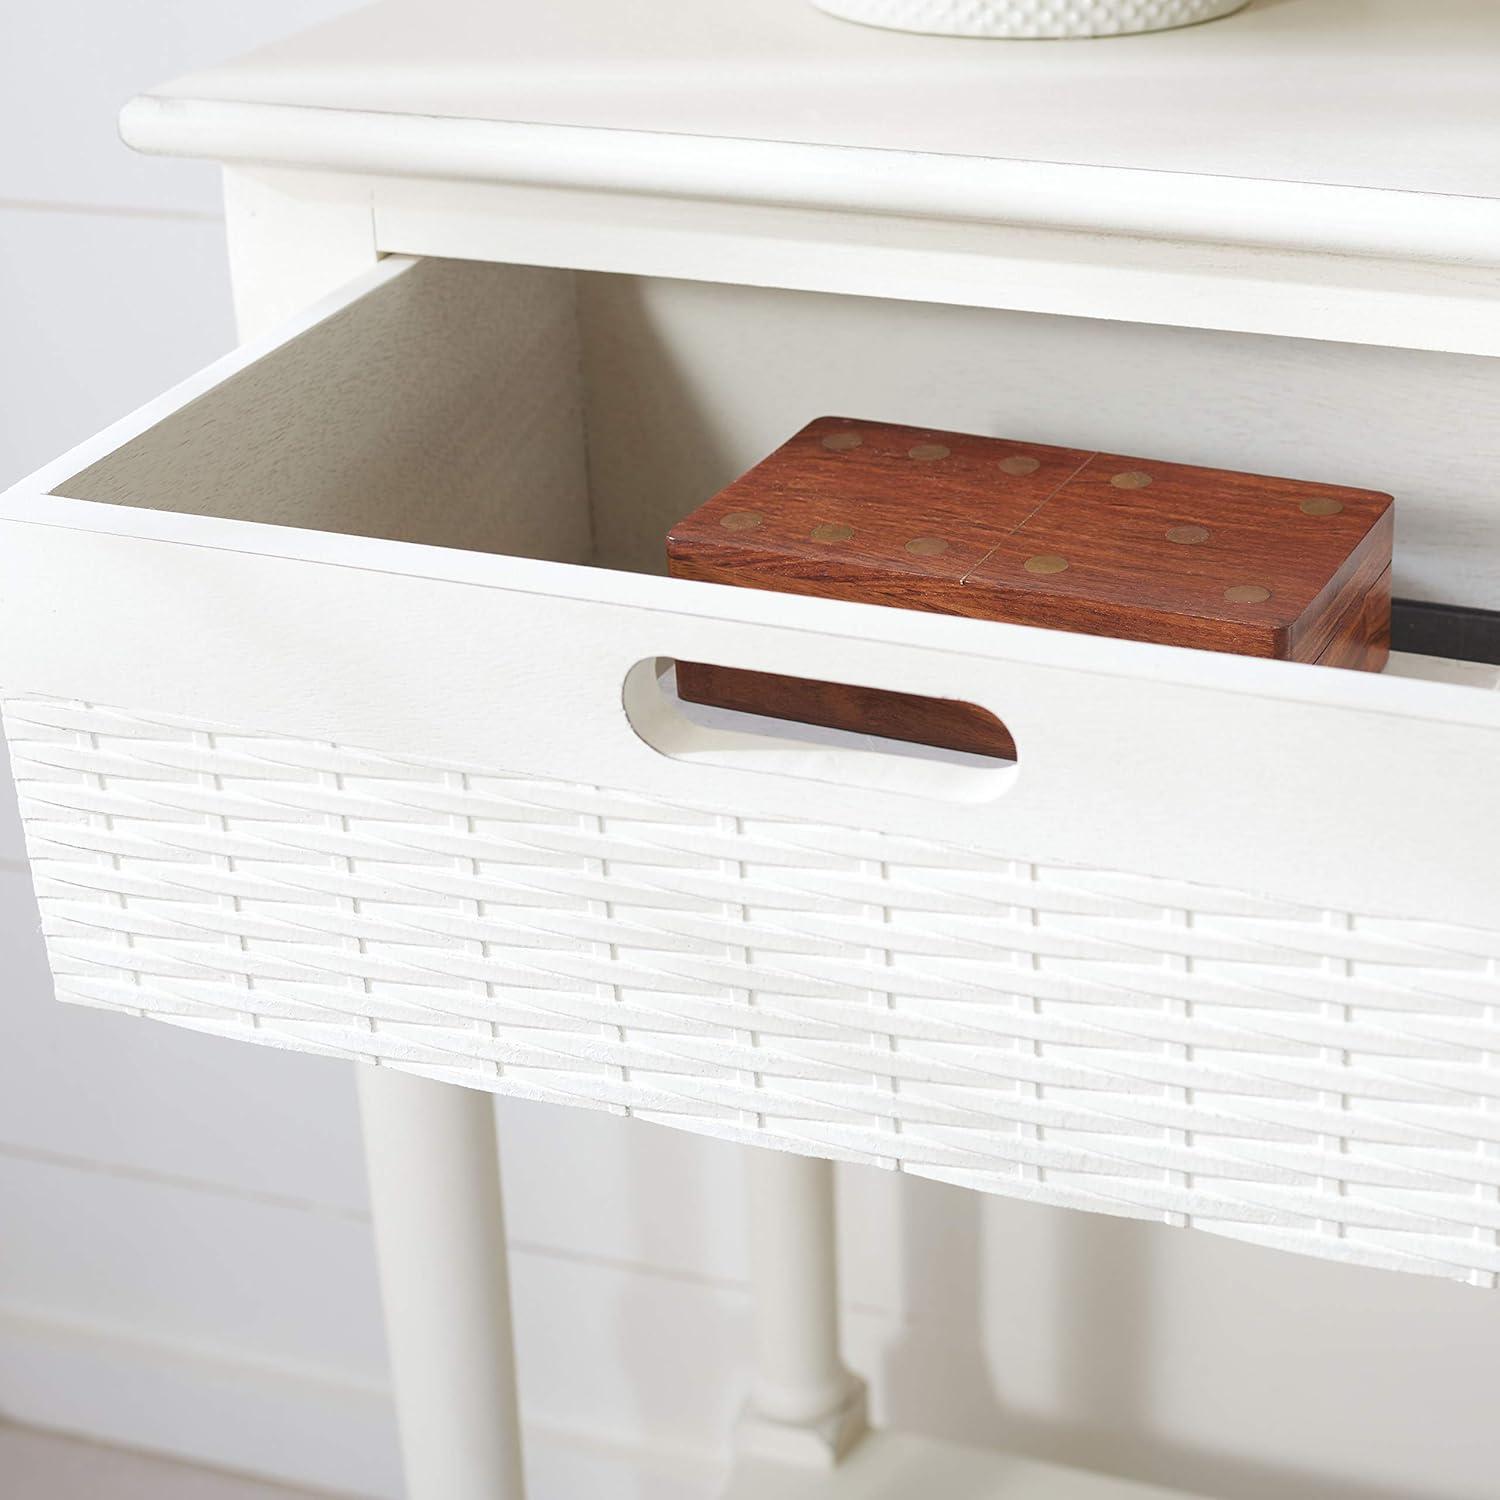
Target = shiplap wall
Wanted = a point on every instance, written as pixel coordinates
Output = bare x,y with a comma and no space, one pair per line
185,1260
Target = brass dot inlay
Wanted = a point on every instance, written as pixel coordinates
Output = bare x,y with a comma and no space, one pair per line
1247,593
1324,505
1047,562
842,442
831,531
926,453
1188,536
1131,479
1020,465
741,520
926,546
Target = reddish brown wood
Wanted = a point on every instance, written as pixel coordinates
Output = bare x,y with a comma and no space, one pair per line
1060,538
839,705
1362,640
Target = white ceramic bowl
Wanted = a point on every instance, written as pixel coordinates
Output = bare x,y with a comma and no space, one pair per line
1030,18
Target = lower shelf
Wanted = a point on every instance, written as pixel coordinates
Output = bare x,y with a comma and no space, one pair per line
898,1466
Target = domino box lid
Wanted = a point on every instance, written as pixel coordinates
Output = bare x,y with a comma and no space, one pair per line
1065,538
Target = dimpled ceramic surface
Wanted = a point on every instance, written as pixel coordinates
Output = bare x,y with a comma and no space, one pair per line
1030,18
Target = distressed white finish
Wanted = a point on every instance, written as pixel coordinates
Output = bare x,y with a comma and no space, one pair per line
1030,18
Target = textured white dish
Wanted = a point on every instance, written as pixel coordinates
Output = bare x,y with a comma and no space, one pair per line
1030,18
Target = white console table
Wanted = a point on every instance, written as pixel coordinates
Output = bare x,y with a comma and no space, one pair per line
763,205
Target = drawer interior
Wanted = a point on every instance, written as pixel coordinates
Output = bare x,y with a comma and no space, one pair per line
574,416
240,553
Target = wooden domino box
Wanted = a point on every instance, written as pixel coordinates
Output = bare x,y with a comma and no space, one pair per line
1062,538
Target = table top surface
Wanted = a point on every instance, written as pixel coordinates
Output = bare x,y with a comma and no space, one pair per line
1397,95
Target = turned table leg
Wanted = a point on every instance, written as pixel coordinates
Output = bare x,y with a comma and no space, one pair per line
805,1406
440,1241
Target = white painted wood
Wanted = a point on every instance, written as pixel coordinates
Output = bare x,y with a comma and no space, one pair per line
908,1002
440,1241
687,385
805,1407
1311,300
643,1367
705,100
960,262
1187,785
671,419
1130,200
363,642
294,237
898,1466
430,1151
1199,187
1191,790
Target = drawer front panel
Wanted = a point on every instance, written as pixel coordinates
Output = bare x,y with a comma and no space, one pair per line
1317,1080
1220,949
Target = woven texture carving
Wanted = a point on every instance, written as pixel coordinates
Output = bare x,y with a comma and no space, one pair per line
1319,1081
1030,18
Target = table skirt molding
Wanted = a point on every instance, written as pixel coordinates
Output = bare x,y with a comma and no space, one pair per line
1318,1081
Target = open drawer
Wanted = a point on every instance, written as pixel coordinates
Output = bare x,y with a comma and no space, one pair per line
332,692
